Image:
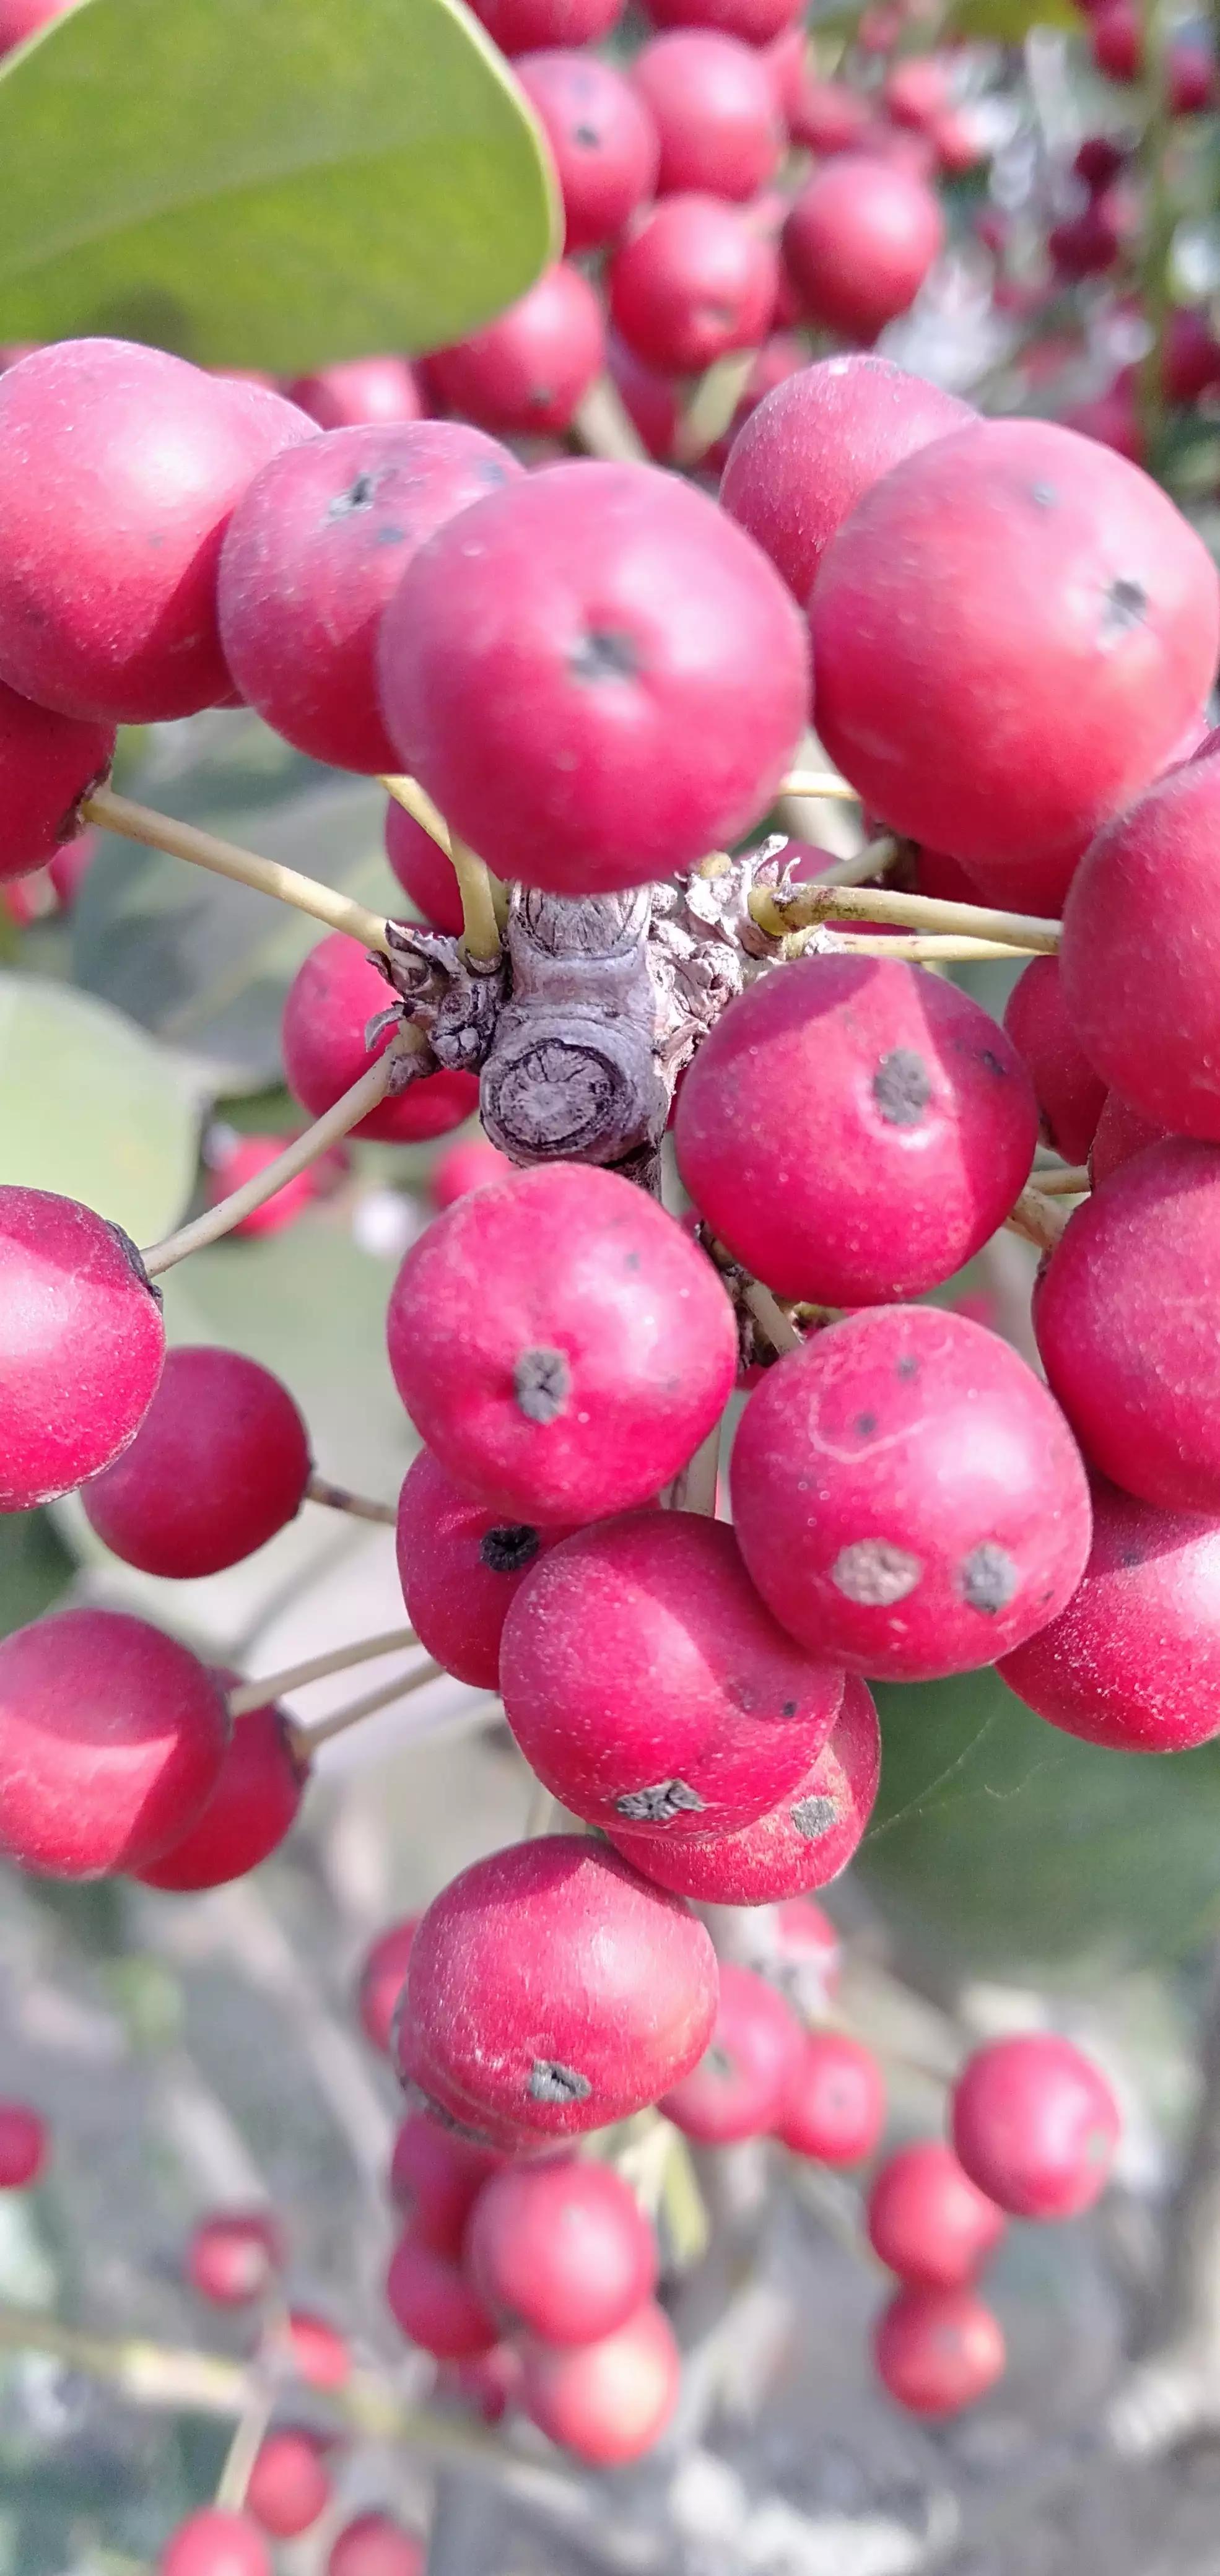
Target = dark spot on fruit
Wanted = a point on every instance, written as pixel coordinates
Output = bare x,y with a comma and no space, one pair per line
660,1804
1045,495
551,2082
587,136
490,473
875,1572
509,1547
901,1087
631,1261
717,2061
908,1366
992,1063
604,653
541,397
865,1425
813,1817
1126,607
389,535
989,1577
359,495
542,1383
789,1708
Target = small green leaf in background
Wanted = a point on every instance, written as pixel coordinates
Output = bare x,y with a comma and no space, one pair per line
91,1107
267,183
1009,22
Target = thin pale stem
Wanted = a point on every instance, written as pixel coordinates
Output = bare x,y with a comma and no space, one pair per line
779,1328
604,427
306,1739
225,859
712,405
244,2448
818,782
1074,1183
694,1490
339,1498
863,864
940,945
1038,1219
482,894
338,1659
804,906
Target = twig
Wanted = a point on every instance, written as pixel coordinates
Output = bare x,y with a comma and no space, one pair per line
338,1659
306,1739
804,906
247,2440
483,900
604,427
339,1498
1073,1183
1038,1219
225,859
916,948
865,863
695,1488
818,782
779,1328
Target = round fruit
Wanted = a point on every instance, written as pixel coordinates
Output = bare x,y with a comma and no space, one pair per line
372,2545
1069,1093
24,2146
314,549
466,1167
119,468
49,764
828,117
737,2087
551,1991
607,2402
656,652
712,101
742,1712
937,2350
81,1345
855,1130
460,1567
907,1496
239,1163
602,137
1036,2126
213,2543
289,2487
859,243
423,869
112,1738
756,22
928,2221
561,2249
652,400
382,1978
1125,1318
528,371
1121,1132
802,1843
358,391
432,2301
234,2257
219,1464
833,2105
318,2353
331,1000
1011,633
252,1808
436,2178
560,1344
521,26
1134,1659
817,444
22,18
692,282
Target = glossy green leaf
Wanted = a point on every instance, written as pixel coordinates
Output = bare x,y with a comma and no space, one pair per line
91,1107
1009,22
267,183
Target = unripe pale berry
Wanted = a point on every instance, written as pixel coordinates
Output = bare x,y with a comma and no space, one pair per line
24,2146
607,2402
907,1496
527,373
436,2178
372,2545
119,469
937,2351
833,2105
81,1345
460,1567
1070,1094
289,2485
802,1843
596,676
219,1464
314,549
358,391
48,765
382,1978
1134,1659
433,2302
213,2543
112,1737
692,282
742,1713
928,2221
561,2249
859,243
234,2257
250,1811
739,2083
602,136
618,2002
817,444
423,869
332,998
714,108
855,1130
1036,2125
560,1344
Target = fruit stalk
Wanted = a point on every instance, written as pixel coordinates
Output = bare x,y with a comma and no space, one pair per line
337,1659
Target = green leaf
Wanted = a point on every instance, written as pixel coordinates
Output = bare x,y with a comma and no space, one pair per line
91,1107
1006,1845
267,183
1008,22
35,1568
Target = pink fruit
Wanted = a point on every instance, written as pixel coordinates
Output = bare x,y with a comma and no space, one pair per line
251,1810
936,2351
466,1167
234,2257
737,2087
561,2249
859,243
828,117
435,2179
607,2402
220,1463
1134,1659
49,764
357,391
527,372
461,1568
382,1978
928,2221
713,104
332,998
213,2543
833,2106
316,2351
432,2301
24,2146
1121,1132
521,26
423,869
81,1345
602,137
239,1163
1069,1093
1036,2125
22,18
756,22
289,2486
372,2545
692,282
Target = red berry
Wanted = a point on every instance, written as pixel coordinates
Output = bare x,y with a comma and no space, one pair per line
356,391
436,2178
1113,418
855,1130
1125,1319
1149,1023
928,2221
1134,1659
780,357
551,1991
466,1167
239,1163
828,117
48,765
1121,1132
937,2350
315,547
332,998
1036,2125
460,1566
252,1808
657,654
785,56
1192,74
119,467
799,1946
917,91
1099,161
692,282
234,2257
1118,45
737,2087
607,2402
112,1737
743,1711
817,444
833,2105
318,2353
560,1344
22,18
1192,355
1010,635
804,1842
81,1345
529,370
433,2303
382,1978
423,870
907,1496
651,400
489,2382
521,26
69,866
218,1465
713,102
561,2249
213,2543
767,23
602,138
859,243
1087,244
24,2146
375,2546
1069,1093
289,2487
